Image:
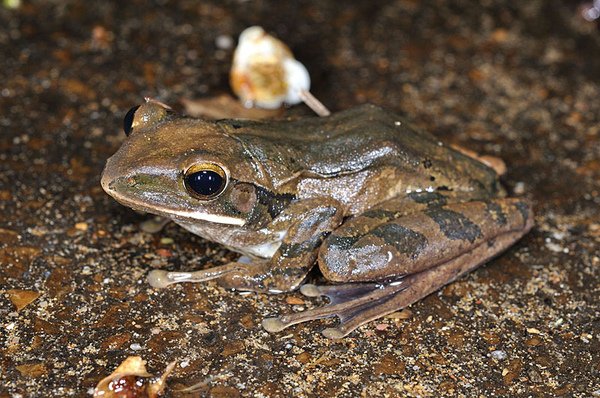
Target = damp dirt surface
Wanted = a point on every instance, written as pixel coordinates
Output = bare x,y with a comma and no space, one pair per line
517,80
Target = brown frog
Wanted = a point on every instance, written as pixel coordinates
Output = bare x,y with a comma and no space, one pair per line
389,213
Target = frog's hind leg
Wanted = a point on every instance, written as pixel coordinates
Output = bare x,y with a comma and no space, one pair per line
461,251
354,307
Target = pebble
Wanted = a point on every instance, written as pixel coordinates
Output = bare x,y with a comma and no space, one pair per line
519,188
294,300
81,226
224,42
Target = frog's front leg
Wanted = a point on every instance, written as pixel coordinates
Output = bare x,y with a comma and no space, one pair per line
306,224
407,258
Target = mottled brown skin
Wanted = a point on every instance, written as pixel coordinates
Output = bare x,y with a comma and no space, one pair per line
375,202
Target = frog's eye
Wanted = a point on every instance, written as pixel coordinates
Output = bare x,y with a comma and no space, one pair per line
128,120
205,180
146,115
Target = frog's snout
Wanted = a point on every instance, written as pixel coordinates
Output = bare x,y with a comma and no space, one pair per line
105,181
118,175
107,178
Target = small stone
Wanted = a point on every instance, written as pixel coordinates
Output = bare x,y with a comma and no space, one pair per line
294,300
533,331
81,226
533,342
555,247
304,357
519,188
498,354
224,42
586,337
381,326
164,252
247,321
500,35
534,376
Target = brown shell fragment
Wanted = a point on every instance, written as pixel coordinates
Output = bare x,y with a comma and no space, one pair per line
131,380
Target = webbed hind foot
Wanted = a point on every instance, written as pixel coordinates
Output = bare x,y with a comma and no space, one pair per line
354,304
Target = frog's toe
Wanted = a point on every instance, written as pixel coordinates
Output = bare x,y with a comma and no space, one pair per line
273,325
158,279
310,290
353,304
340,293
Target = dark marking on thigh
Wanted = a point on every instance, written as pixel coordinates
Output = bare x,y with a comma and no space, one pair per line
291,273
454,225
342,242
403,239
381,214
429,198
298,249
496,213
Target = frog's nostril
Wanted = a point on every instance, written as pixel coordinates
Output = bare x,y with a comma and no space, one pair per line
105,181
131,182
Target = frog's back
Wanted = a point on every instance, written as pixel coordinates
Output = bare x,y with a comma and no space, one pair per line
359,139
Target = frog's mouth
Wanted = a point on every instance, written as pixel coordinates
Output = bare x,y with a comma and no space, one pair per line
152,198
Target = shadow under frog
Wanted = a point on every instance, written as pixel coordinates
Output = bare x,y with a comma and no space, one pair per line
388,212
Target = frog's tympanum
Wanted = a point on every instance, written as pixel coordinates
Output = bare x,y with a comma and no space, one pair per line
389,213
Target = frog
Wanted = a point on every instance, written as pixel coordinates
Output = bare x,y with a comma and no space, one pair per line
385,211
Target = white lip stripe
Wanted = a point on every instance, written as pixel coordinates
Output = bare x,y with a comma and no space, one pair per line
196,215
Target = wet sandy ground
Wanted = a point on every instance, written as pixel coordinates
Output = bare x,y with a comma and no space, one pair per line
519,80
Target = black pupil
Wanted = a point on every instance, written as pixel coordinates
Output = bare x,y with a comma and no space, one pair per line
205,182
